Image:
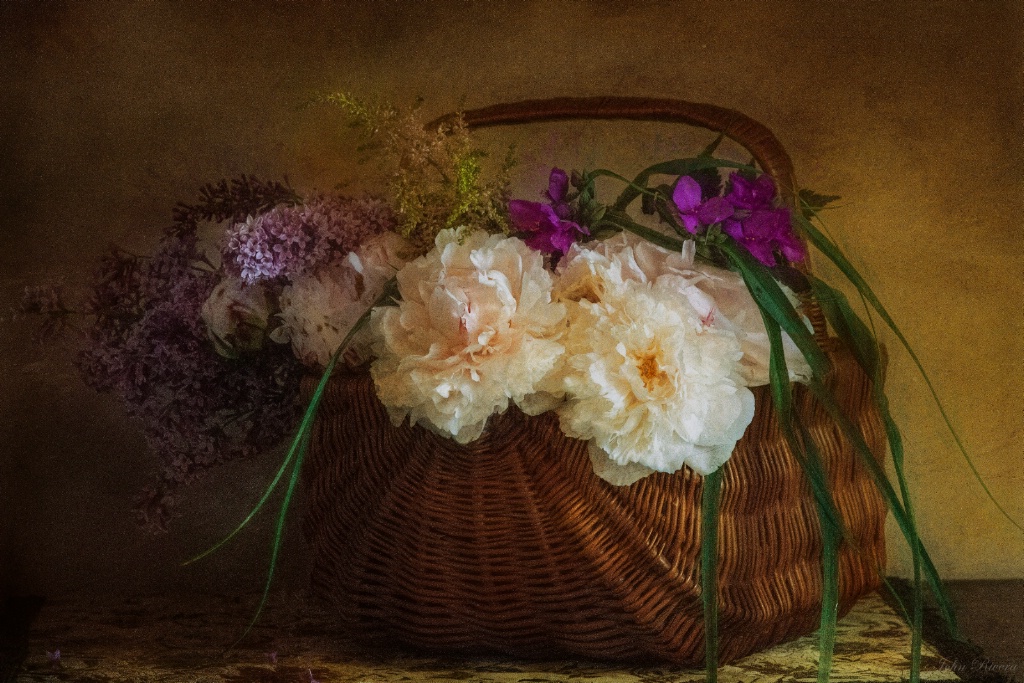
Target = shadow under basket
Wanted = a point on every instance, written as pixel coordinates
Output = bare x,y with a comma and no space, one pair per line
512,545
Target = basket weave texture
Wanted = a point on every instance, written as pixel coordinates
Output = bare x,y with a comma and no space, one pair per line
511,544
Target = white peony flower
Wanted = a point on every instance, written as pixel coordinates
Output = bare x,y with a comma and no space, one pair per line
719,296
475,329
236,316
319,309
649,384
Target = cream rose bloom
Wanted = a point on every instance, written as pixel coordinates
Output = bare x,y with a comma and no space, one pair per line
475,329
319,309
236,315
719,296
649,385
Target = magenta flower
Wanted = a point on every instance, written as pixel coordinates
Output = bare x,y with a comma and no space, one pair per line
548,228
544,230
751,195
558,188
763,232
694,214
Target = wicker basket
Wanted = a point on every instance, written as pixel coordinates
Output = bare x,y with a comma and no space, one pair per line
511,544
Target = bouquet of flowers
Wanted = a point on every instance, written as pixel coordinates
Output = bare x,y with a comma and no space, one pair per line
642,325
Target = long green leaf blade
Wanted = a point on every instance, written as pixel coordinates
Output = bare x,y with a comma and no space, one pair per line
856,335
298,449
278,537
834,254
252,513
829,519
623,222
770,297
889,494
709,508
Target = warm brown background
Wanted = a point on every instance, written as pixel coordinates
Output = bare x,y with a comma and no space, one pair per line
111,112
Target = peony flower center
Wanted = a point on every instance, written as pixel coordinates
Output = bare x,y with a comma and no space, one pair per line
651,372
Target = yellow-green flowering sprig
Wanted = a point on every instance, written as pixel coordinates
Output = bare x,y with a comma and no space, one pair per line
436,177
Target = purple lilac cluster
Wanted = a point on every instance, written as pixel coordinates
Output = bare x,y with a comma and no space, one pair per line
46,301
549,227
150,347
746,213
289,240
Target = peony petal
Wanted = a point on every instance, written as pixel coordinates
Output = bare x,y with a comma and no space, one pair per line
611,471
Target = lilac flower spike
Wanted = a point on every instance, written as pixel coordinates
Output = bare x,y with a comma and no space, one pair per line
695,214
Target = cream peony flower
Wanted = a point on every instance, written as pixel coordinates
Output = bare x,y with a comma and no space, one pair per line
649,384
720,296
475,329
319,309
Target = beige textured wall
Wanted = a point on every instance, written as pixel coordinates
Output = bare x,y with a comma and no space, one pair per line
912,111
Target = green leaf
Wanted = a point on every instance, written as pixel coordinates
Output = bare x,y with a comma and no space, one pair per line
252,513
834,254
620,220
709,151
811,202
676,167
856,335
771,298
297,452
709,508
905,523
829,518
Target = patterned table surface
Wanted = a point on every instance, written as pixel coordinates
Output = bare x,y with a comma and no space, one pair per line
172,639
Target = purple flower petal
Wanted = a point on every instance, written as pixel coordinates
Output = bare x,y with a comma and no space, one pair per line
686,195
714,210
733,228
752,195
558,185
762,251
792,248
546,232
528,216
764,225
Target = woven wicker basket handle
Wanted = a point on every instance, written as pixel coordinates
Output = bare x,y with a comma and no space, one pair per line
755,137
